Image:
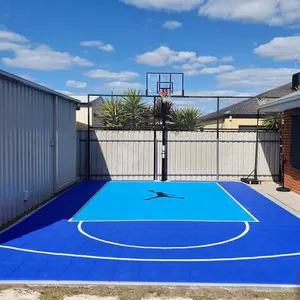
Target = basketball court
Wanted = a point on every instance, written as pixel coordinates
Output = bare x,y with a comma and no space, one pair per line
189,232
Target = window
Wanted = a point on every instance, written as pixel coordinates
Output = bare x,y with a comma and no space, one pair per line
295,142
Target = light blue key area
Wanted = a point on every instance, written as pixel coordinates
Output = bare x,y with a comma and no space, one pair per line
171,201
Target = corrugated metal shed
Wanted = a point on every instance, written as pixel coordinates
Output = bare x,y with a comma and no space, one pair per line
37,144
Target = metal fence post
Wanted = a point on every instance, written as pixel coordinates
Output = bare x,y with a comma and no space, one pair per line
88,142
255,180
218,137
154,141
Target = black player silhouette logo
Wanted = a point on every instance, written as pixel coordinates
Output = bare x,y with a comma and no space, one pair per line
163,195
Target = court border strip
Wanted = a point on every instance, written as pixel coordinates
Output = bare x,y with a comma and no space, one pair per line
254,286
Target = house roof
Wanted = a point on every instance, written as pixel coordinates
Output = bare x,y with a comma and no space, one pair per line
248,108
287,102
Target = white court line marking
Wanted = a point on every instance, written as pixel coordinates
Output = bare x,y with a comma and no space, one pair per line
164,248
218,184
131,221
153,259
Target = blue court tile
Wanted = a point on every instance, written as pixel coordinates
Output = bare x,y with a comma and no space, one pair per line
127,271
153,272
103,270
7,268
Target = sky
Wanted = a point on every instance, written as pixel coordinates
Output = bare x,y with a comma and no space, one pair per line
224,47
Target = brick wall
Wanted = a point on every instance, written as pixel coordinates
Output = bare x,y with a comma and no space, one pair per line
291,176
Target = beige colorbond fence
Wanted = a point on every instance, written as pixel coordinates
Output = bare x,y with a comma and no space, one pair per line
129,155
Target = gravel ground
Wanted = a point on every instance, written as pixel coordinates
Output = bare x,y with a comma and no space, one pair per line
139,293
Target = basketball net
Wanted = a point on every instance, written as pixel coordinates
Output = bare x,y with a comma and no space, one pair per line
165,94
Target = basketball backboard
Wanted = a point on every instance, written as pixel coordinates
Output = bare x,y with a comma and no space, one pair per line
157,81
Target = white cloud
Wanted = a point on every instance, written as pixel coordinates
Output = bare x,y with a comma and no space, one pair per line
163,56
193,71
281,49
65,92
8,46
121,86
265,78
39,57
98,44
218,93
227,59
80,61
100,73
204,59
170,5
271,12
43,58
216,70
76,84
210,104
171,25
192,66
12,36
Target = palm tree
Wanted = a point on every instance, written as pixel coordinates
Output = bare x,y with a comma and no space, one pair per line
187,118
157,113
272,121
148,120
134,109
111,112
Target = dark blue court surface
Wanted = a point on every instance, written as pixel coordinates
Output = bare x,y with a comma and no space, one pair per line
172,232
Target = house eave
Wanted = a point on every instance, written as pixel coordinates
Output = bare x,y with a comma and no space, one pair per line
288,102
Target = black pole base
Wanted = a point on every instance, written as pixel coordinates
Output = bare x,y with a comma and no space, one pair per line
283,189
251,180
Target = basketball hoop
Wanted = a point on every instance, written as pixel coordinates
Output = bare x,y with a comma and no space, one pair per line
165,94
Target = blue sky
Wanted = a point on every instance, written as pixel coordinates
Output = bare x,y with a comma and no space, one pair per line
230,47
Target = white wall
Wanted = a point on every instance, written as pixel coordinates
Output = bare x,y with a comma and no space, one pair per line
82,116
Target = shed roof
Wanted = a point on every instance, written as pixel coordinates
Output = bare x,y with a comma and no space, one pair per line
28,83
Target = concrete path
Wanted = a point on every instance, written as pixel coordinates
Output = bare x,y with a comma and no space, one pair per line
290,201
